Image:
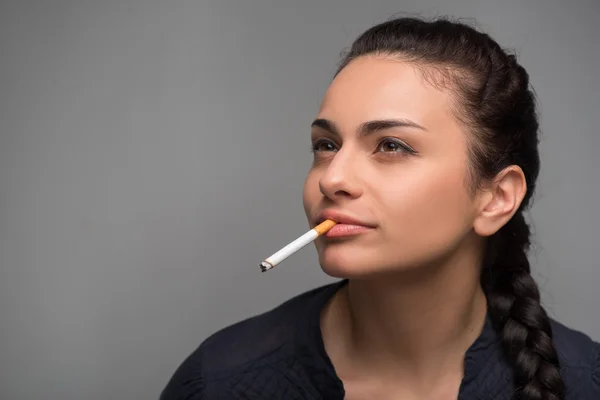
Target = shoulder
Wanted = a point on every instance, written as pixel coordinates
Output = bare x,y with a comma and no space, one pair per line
575,349
254,338
579,358
242,348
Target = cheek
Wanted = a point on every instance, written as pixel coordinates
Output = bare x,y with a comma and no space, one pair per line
428,209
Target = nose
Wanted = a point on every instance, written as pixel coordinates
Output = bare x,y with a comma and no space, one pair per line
340,179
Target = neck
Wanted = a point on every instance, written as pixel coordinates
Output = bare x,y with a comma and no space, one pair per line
418,323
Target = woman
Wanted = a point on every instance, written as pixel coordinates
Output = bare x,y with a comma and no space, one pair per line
427,143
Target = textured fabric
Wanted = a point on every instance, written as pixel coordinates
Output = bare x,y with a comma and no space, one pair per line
280,355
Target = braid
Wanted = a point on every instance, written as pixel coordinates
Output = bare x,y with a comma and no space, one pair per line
524,326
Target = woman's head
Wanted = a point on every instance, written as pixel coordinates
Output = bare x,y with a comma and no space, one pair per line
429,186
429,133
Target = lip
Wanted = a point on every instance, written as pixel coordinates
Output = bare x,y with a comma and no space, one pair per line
341,218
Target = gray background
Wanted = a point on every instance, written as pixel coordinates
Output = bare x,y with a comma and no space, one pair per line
152,153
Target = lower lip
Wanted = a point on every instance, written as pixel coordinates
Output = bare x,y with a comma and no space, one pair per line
343,230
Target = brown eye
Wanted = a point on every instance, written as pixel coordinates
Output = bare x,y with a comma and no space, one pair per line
323,145
389,145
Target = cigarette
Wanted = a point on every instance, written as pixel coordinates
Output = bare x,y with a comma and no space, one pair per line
296,245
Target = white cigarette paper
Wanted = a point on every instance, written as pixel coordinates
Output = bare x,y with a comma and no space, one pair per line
296,245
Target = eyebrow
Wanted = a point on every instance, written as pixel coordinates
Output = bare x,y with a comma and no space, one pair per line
369,127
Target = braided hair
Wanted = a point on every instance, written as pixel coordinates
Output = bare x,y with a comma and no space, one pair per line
498,108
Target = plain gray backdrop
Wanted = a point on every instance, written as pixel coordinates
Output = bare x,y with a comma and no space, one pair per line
152,153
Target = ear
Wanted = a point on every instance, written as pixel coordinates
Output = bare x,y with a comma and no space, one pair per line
500,201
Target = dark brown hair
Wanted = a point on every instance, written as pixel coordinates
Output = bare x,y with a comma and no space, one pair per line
497,105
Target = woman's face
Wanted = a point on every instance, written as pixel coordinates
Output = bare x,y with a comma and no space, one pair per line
390,154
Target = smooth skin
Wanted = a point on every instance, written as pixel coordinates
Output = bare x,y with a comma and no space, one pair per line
390,151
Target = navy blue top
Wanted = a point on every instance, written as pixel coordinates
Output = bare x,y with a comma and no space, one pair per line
280,355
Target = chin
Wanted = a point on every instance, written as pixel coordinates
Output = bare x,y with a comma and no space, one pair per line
345,266
339,260
343,272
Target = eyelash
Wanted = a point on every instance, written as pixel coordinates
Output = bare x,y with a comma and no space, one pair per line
402,146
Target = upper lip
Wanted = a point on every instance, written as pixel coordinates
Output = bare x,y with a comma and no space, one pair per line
340,218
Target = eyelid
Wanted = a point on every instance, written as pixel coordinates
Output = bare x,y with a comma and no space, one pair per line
321,140
401,143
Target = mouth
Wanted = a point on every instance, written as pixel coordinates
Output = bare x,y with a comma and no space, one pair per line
346,225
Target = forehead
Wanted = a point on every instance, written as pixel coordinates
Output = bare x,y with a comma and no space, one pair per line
374,87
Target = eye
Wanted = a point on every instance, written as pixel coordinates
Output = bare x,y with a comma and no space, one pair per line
390,145
323,145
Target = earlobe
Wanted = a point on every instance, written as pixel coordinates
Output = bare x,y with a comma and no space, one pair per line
500,201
